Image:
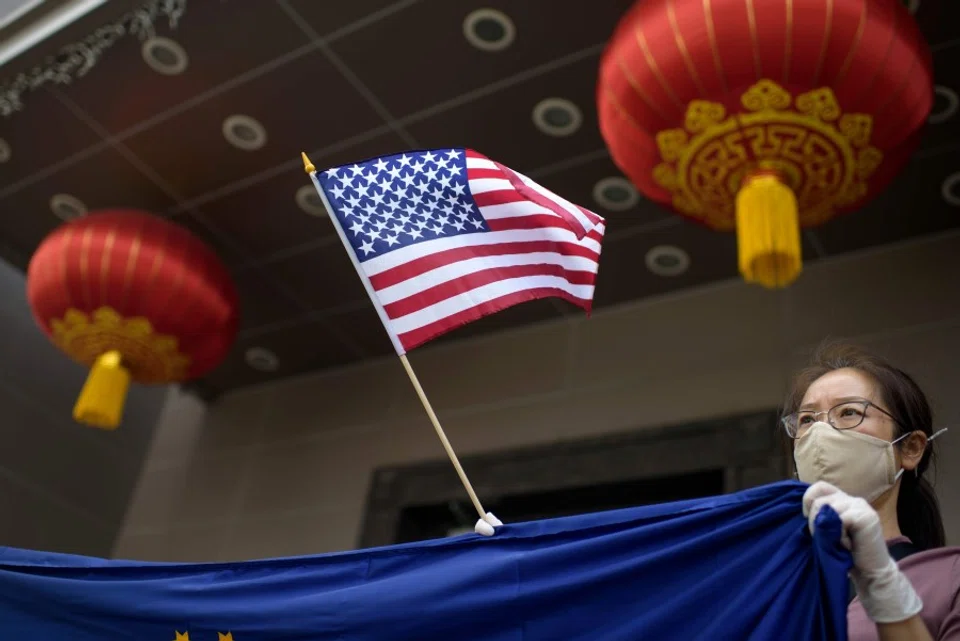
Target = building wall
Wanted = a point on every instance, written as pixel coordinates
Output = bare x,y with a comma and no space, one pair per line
63,487
285,468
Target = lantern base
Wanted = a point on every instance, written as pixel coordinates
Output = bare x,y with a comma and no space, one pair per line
768,231
103,396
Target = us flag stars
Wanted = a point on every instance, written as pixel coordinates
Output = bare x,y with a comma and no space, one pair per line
391,203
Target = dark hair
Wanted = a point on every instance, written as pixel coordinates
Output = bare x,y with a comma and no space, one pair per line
918,511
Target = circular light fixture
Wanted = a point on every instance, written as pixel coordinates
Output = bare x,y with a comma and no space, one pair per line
243,132
557,117
489,29
261,359
165,56
5,151
615,193
950,190
667,260
946,106
912,6
66,207
309,201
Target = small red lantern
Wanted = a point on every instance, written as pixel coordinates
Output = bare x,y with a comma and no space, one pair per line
133,297
764,116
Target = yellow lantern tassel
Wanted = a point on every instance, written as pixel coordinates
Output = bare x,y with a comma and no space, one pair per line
768,231
103,395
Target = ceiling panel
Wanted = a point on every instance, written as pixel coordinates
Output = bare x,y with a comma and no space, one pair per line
944,130
45,135
222,39
303,105
226,247
104,180
321,278
500,125
338,19
299,348
911,207
938,20
265,219
624,275
262,303
578,184
362,328
427,61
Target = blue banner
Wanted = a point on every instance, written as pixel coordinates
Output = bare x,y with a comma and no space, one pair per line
741,566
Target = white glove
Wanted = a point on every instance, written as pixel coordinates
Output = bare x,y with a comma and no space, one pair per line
886,594
486,525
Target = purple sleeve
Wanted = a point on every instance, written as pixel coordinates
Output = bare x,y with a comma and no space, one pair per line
935,574
950,628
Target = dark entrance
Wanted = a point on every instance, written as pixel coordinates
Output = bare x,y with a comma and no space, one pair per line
421,522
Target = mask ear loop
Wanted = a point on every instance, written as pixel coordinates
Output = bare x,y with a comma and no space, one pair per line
938,433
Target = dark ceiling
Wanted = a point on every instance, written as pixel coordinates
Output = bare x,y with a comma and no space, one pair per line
346,80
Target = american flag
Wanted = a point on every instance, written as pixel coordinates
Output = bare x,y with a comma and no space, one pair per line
444,237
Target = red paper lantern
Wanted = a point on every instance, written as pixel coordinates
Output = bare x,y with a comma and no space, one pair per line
764,116
133,297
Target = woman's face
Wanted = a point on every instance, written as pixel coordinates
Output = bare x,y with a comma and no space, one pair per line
843,386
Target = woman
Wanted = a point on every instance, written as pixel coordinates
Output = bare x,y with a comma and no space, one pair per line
862,434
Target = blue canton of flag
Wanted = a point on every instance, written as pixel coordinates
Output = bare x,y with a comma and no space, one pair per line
388,203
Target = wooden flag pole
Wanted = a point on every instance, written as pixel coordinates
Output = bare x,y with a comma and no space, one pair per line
310,169
448,448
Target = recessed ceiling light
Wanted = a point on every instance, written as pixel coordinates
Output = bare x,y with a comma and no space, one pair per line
615,193
261,359
243,132
557,117
667,260
309,201
946,105
5,151
951,189
489,29
165,56
67,207
912,6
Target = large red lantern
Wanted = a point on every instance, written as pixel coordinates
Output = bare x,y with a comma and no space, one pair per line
764,116
133,297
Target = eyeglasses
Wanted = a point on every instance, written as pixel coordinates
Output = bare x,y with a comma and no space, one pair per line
844,416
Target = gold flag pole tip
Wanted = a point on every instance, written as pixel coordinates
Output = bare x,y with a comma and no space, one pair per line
307,165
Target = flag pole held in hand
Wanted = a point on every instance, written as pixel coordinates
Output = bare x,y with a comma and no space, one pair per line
447,447
441,238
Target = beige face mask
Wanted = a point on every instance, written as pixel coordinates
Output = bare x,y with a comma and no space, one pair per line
859,464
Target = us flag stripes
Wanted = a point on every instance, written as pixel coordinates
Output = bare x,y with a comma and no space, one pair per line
444,237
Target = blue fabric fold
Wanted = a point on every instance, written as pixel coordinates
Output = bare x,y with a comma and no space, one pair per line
740,566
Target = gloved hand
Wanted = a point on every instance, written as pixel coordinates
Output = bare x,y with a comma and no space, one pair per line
886,594
486,525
